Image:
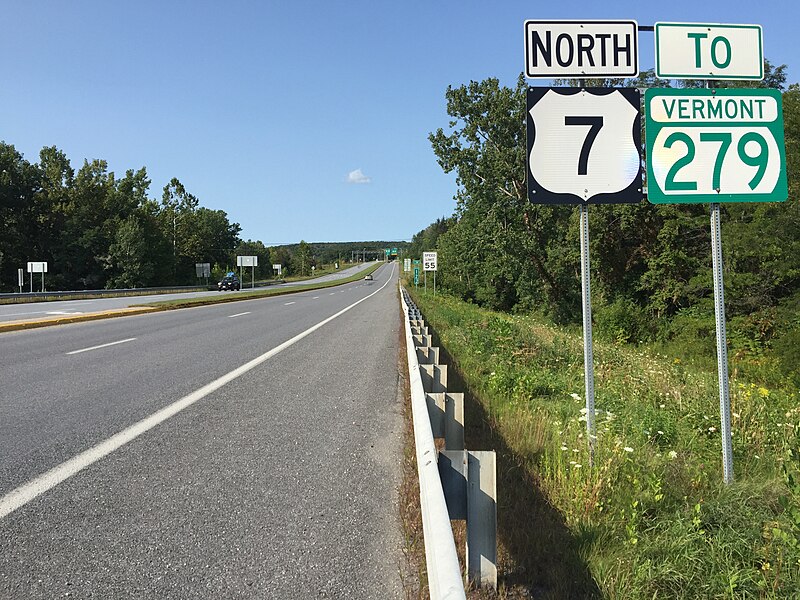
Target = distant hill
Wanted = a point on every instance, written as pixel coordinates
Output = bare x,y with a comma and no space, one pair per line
327,252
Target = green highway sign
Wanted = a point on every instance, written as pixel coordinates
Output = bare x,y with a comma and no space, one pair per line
715,145
709,51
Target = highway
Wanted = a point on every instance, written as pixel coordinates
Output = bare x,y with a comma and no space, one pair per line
243,450
42,310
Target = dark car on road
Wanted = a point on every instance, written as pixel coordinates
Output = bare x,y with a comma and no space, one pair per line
230,282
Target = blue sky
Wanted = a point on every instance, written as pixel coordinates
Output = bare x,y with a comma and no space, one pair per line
301,120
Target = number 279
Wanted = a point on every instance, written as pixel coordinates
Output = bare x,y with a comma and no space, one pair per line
724,139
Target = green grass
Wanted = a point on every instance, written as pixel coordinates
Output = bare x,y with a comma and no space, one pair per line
651,517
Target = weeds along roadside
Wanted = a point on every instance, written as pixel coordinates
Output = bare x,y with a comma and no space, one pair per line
652,518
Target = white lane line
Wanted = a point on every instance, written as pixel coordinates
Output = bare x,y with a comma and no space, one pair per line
315,298
239,315
20,496
101,346
288,303
63,312
331,294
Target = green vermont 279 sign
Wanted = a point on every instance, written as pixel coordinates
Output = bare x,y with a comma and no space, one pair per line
715,145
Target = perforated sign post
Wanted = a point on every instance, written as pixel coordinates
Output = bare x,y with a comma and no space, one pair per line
584,147
714,145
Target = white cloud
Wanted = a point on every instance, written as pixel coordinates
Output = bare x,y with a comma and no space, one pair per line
358,177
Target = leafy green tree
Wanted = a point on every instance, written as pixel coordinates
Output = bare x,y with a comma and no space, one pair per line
302,259
518,247
19,183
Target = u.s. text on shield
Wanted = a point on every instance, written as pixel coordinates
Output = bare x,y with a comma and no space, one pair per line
584,145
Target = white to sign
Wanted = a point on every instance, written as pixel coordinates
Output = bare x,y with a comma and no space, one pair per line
429,260
581,49
709,51
246,261
37,267
407,265
724,145
584,145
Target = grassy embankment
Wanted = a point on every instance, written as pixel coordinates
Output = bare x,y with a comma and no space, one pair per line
651,518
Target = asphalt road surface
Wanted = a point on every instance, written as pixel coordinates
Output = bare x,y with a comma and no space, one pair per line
245,450
35,310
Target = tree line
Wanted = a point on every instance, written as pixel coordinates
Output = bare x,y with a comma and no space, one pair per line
96,230
651,265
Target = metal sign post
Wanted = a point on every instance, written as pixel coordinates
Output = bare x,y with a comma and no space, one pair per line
20,279
584,147
714,145
722,346
588,355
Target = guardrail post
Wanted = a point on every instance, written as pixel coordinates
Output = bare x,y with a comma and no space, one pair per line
446,410
470,490
434,378
428,355
482,518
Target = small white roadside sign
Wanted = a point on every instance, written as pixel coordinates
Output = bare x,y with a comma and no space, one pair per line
429,261
246,261
709,51
37,267
581,49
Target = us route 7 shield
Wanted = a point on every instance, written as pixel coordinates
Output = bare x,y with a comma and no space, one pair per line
584,146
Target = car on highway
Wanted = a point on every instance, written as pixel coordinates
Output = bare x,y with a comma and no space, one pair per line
229,282
368,278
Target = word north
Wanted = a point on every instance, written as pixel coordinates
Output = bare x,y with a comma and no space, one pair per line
585,49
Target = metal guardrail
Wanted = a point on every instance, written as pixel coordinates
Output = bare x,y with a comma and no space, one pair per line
444,572
115,292
28,296
466,478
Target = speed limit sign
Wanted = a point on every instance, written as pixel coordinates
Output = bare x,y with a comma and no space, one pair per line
429,260
584,145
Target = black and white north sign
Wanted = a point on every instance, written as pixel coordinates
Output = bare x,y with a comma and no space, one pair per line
581,49
584,145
